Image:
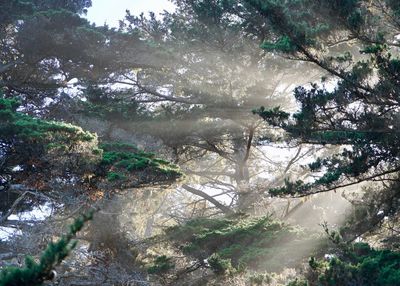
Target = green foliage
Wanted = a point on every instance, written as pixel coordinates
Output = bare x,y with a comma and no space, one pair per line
76,6
372,140
29,142
360,265
162,264
238,242
361,110
109,105
122,159
27,139
18,8
112,176
373,49
18,126
283,44
291,188
219,265
48,38
291,23
35,273
14,10
260,279
273,116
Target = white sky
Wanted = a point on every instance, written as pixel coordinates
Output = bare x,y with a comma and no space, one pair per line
110,11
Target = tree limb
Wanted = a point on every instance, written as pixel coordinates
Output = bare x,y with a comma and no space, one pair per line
209,198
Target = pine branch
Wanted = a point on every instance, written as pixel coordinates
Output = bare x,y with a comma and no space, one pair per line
34,274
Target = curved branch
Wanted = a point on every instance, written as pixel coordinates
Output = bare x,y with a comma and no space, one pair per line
209,198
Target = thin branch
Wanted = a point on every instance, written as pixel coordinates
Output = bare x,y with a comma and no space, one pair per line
348,184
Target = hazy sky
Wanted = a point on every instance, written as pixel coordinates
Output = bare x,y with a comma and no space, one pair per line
110,11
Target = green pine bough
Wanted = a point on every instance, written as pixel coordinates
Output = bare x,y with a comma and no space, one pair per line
122,159
231,244
16,126
35,273
356,264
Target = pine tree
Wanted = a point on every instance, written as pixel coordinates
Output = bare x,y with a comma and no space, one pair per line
355,106
354,43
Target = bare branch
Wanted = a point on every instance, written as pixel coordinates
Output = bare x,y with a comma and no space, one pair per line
209,198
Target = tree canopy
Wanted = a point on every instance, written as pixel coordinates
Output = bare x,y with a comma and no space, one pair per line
244,111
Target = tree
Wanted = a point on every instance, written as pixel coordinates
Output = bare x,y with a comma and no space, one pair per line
361,110
31,51
191,80
230,245
200,96
36,145
45,46
354,107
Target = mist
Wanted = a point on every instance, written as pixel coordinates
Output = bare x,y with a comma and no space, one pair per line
211,146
